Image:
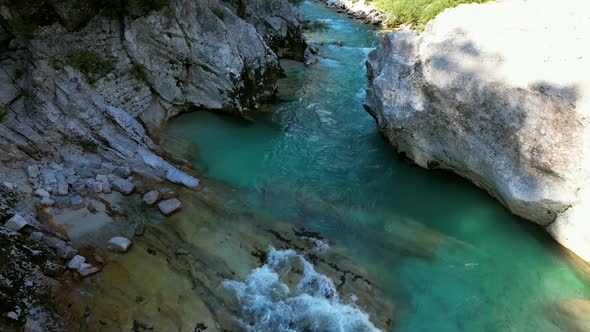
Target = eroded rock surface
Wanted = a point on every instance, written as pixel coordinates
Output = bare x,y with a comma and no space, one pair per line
83,86
73,88
27,281
499,100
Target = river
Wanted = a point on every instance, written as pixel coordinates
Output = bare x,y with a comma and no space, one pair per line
307,220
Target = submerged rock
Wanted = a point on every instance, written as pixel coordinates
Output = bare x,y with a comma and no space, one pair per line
119,244
169,206
87,269
76,262
41,192
77,202
499,100
151,197
571,315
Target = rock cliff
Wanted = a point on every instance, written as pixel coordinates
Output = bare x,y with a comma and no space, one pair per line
85,79
85,85
500,96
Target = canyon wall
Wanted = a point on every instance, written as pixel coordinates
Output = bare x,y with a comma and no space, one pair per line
499,94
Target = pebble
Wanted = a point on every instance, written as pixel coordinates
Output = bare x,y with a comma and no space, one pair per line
66,252
68,172
72,179
139,230
106,186
122,172
62,185
88,271
50,179
76,262
169,206
47,201
119,244
33,171
77,202
151,197
123,186
41,192
107,167
55,166
95,186
37,236
181,252
99,259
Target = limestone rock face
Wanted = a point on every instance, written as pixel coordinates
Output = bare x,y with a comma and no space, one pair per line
200,53
499,100
278,22
81,82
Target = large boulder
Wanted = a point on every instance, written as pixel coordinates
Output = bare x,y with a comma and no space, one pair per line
199,53
500,96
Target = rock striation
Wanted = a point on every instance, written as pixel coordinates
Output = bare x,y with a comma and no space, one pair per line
85,85
499,100
79,81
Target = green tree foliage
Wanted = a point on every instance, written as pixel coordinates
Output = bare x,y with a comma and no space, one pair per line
415,12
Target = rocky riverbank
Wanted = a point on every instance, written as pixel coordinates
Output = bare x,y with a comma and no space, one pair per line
358,9
85,87
499,100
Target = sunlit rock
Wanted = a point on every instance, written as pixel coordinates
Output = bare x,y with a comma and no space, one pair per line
499,100
119,244
169,206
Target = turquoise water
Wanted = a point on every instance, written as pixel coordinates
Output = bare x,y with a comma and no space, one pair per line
450,257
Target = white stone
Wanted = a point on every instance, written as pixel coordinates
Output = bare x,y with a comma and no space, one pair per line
169,206
77,202
62,185
88,271
16,222
95,186
119,244
47,201
151,197
106,186
33,171
76,262
41,192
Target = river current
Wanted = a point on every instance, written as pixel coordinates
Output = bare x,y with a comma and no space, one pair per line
447,254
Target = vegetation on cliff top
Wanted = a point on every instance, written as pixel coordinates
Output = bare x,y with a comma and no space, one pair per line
415,12
88,62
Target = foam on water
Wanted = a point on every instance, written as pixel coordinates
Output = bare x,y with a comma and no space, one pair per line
288,294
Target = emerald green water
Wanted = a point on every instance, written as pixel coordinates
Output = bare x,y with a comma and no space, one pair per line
449,256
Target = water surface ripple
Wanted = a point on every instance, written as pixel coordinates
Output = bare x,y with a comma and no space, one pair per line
448,255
